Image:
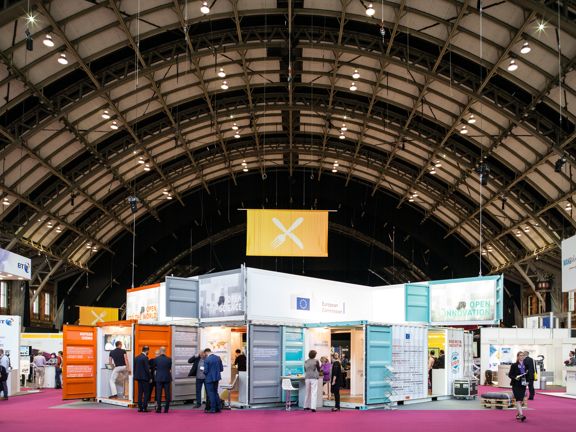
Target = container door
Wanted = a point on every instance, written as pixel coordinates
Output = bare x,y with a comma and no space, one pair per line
265,346
378,355
181,297
79,370
417,302
184,346
293,356
155,337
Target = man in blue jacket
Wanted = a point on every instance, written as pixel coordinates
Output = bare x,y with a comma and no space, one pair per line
212,368
163,379
144,377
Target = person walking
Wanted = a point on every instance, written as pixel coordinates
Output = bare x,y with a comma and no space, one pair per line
529,361
212,368
39,363
144,377
336,381
519,382
163,379
197,371
311,369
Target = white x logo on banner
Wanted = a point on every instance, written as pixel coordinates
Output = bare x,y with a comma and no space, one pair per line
98,318
287,232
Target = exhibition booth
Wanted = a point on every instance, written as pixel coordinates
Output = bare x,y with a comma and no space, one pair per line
275,319
10,342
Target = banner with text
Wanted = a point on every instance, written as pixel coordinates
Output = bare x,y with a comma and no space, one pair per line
91,315
569,264
15,264
302,233
142,303
222,296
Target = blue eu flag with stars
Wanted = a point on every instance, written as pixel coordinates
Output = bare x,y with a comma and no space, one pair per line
302,303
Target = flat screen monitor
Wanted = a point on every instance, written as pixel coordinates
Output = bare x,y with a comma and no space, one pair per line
111,339
25,350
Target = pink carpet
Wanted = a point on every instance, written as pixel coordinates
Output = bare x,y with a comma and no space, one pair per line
29,412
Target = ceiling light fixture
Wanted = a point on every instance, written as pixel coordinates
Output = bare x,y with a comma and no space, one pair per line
236,135
483,252
335,163
58,229
334,170
244,163
512,66
224,86
464,130
169,196
525,48
147,167
245,169
165,191
471,120
204,8
370,11
353,87
527,229
114,125
342,136
105,114
433,170
50,225
141,160
6,201
437,164
222,74
541,26
518,233
62,59
48,41
355,75
414,194
94,249
568,207
234,127
411,199
344,128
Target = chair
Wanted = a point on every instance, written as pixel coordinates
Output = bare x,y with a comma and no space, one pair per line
287,385
229,387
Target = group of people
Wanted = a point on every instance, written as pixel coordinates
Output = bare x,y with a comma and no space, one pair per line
39,364
435,363
332,373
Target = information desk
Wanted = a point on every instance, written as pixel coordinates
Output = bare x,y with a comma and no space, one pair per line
49,377
571,380
302,389
504,379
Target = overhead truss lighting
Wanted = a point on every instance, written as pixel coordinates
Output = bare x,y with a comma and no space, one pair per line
370,10
48,41
204,8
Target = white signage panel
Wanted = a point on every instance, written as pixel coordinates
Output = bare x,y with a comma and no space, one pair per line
143,304
221,296
463,302
454,360
15,264
10,338
410,362
569,264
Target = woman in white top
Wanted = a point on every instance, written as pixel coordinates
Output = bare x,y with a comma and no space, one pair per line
311,368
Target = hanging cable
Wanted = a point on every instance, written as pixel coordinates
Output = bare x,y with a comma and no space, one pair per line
481,140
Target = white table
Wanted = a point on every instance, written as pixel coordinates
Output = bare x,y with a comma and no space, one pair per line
439,384
302,390
571,380
49,377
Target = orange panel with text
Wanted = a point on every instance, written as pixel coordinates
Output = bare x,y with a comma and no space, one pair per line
79,370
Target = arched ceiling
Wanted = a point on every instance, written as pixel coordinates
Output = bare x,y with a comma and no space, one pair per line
153,65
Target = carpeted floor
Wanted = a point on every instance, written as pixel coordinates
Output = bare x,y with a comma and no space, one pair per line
546,413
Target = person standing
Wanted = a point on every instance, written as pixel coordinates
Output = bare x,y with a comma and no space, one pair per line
144,377
336,381
58,369
442,360
345,362
311,369
119,359
212,368
39,363
572,360
152,385
198,372
240,361
519,382
431,361
163,379
325,366
5,363
529,361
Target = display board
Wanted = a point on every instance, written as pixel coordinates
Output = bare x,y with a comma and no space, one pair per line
569,264
15,264
47,342
454,357
79,370
92,315
10,338
319,339
222,296
465,302
409,360
142,303
184,346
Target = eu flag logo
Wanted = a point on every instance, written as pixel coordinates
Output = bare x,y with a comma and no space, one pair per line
302,303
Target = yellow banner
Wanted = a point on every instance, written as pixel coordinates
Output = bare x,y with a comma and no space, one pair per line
302,233
91,315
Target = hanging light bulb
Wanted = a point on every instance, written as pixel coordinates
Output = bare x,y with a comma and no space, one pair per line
169,196
527,229
50,225
236,135
48,41
433,170
437,164
518,233
489,248
147,167
355,75
335,163
88,245
353,87
94,249
472,119
222,74
464,130
525,48
224,86
105,114
6,201
414,194
58,229
344,128
141,160
483,252
62,59
165,191
334,170
512,66
245,169
234,127
204,8
342,135
568,207
370,11
114,125
411,199
244,163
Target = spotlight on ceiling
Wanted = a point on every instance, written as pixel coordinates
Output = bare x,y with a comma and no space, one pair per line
568,207
411,199
88,245
169,196
234,126
355,75
236,135
244,163
518,233
204,8
58,229
245,169
512,66
147,167
526,228
370,10
48,41
342,136
105,114
560,164
165,191
464,130
114,125
62,59
222,74
472,119
141,160
437,164
484,171
414,194
483,252
336,163
224,86
6,201
344,128
50,225
353,87
334,170
432,170
525,48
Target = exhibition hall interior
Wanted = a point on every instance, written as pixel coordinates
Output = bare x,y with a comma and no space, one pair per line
326,212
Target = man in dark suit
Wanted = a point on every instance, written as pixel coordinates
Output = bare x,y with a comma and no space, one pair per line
163,379
530,375
198,372
212,368
442,360
144,377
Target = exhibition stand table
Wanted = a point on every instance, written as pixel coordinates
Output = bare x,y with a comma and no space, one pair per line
571,381
504,379
439,384
302,389
49,376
